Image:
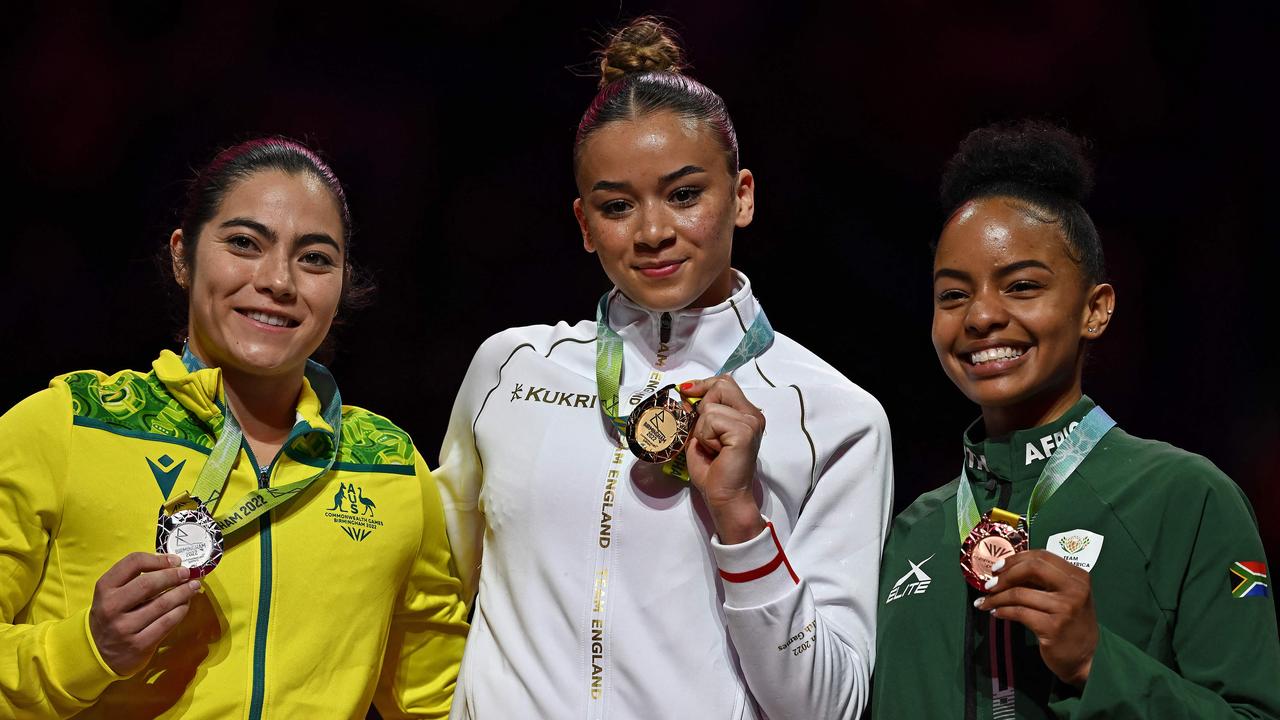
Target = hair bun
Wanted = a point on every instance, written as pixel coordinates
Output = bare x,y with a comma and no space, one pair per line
642,45
1031,154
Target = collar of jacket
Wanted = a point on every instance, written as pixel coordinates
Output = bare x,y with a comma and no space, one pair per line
1020,456
704,336
318,416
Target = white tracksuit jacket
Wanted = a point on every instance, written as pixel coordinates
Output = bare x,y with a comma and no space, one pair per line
601,594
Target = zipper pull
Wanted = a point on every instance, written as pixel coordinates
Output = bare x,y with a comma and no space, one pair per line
264,474
664,332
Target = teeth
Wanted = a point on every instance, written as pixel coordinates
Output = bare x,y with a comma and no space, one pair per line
995,353
268,319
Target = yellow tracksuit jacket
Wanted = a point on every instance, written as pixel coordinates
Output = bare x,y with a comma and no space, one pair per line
343,595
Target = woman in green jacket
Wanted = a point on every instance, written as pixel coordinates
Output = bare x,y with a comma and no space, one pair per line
1072,570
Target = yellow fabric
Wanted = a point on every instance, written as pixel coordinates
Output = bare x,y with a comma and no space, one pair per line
346,618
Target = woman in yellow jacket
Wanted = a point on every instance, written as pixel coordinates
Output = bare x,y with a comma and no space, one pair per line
305,570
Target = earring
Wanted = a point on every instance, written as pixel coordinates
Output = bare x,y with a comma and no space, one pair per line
1109,311
1093,329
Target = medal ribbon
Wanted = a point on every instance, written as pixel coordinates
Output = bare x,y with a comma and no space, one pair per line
1064,461
609,352
217,468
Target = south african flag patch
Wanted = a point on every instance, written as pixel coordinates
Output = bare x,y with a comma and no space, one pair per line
1248,579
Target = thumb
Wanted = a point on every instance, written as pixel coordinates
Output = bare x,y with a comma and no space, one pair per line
695,388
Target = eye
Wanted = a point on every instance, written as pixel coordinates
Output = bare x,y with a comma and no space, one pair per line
686,195
1024,287
242,243
318,259
951,296
614,208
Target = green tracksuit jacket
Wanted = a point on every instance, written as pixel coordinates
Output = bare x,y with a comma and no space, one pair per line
1184,632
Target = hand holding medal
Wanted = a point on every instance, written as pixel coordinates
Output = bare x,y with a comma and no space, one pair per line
135,605
721,455
1054,600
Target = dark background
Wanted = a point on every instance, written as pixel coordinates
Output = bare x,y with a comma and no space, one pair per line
452,128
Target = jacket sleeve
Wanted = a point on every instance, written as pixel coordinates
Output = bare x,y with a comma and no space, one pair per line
1227,651
461,470
424,646
49,669
801,607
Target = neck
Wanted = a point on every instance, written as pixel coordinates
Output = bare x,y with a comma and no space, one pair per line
1037,411
719,291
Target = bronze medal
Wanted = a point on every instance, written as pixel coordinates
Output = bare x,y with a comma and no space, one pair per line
999,535
186,528
659,427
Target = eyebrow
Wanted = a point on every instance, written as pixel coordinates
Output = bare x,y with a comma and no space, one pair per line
301,241
1009,269
676,175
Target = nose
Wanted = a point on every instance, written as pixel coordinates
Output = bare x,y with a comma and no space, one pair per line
656,230
985,314
274,274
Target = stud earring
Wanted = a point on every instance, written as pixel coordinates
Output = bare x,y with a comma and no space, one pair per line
1093,329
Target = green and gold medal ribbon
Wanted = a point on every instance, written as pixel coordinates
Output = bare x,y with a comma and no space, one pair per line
217,468
1064,461
609,351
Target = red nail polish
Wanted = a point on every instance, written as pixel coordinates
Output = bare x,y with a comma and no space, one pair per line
686,386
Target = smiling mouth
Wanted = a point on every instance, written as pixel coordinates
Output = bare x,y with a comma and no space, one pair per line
1003,352
268,319
661,269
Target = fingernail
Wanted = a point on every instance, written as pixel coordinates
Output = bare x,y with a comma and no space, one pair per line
991,583
993,611
978,603
686,385
194,585
998,565
174,560
184,573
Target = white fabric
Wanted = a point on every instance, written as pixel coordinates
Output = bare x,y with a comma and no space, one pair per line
639,624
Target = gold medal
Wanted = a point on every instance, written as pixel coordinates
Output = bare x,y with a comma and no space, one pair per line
186,528
658,428
999,535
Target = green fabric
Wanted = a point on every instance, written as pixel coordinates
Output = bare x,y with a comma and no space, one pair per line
133,404
1075,447
1173,641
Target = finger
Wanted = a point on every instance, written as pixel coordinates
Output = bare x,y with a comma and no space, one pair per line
722,390
147,613
1035,568
1036,621
754,422
148,585
720,431
151,635
1044,601
133,565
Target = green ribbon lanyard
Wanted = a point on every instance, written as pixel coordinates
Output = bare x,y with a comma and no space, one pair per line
609,368
1064,461
213,476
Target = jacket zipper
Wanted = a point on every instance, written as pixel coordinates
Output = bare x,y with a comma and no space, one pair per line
970,626
264,597
664,329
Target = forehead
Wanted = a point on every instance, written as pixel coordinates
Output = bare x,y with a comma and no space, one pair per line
652,144
289,204
989,233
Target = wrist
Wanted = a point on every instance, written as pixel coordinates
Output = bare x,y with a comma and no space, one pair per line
737,521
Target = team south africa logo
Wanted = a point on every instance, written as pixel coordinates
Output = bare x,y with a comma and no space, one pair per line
353,512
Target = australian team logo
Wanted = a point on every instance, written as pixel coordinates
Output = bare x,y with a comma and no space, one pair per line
353,512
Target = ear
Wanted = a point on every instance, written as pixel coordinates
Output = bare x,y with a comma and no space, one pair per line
177,257
580,212
1098,309
746,194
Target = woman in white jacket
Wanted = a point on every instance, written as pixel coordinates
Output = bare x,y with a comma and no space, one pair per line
611,587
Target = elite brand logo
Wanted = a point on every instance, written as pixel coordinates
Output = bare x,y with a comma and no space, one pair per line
165,472
551,397
917,586
354,513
